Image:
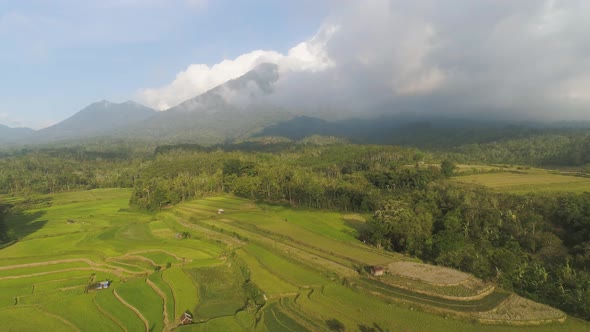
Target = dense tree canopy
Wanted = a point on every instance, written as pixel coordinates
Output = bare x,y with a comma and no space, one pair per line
536,245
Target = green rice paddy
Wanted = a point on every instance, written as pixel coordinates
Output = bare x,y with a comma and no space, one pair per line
253,268
528,181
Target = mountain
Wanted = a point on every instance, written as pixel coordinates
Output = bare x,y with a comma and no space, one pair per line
234,109
97,119
10,135
422,131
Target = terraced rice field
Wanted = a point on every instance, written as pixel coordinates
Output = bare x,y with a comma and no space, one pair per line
253,268
527,181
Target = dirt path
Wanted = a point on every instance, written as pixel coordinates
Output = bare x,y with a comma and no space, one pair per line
54,262
60,271
172,291
109,315
118,271
145,321
155,250
230,241
167,326
139,258
65,321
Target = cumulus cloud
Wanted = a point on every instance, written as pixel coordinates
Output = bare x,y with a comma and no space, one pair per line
524,59
198,78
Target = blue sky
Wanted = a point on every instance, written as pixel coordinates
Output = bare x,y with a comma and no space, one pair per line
57,56
525,59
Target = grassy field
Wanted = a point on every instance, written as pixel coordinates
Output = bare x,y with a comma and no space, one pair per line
119,313
220,290
256,267
139,295
527,180
186,295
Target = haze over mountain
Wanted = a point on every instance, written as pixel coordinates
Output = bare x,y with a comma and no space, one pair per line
234,109
231,110
10,135
517,60
97,119
247,106
509,60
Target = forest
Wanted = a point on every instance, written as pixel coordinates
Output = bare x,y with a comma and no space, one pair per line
537,245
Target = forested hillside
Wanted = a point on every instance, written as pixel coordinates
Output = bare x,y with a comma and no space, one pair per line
50,170
331,177
565,149
535,244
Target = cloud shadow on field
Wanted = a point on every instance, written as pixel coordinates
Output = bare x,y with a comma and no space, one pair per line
21,223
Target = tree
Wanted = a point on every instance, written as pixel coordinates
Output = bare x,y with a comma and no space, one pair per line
407,228
3,230
447,168
335,325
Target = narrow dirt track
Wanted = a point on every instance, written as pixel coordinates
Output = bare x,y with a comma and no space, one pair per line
118,271
54,262
65,321
155,250
109,315
59,271
145,321
156,289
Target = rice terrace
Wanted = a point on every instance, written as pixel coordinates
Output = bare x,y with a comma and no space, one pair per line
85,262
518,180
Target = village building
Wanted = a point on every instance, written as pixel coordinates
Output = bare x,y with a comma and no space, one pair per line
377,271
98,285
186,318
103,284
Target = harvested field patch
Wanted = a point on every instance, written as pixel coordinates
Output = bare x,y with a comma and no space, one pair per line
467,289
518,309
435,275
535,180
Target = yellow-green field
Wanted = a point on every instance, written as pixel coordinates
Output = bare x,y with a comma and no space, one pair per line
252,268
520,181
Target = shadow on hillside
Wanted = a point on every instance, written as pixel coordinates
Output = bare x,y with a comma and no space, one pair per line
374,328
20,224
359,227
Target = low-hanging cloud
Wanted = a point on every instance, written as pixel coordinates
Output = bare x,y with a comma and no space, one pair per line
520,59
198,78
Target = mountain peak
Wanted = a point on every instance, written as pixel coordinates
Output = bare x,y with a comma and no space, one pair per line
242,91
98,118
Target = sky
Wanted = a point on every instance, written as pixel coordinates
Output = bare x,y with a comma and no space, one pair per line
525,60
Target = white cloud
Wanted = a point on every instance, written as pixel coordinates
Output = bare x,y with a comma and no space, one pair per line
198,78
524,58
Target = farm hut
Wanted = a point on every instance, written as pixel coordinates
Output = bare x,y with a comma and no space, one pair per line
220,211
98,285
377,271
186,318
103,284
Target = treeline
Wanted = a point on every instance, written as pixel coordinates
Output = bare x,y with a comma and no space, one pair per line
330,177
563,149
50,172
3,229
536,245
